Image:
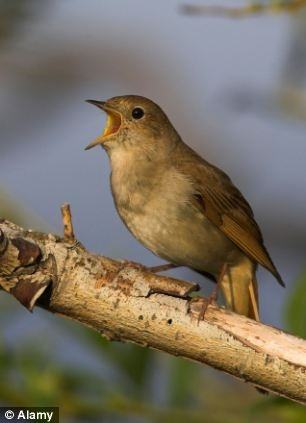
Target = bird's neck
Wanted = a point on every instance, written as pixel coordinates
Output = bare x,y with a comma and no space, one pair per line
133,172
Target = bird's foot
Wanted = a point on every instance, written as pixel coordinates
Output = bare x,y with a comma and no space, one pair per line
198,306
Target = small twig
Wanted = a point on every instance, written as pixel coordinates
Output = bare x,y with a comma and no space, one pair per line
244,11
67,222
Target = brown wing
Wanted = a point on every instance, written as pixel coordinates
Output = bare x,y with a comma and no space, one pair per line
224,205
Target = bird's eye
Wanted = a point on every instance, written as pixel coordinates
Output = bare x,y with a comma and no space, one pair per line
137,113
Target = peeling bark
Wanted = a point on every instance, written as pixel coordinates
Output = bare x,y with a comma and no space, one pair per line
127,303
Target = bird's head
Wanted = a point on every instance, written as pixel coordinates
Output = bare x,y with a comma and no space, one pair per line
131,121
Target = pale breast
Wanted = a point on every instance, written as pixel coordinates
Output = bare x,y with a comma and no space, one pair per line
156,208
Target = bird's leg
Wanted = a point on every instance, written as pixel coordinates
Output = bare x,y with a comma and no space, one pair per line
162,267
203,303
214,295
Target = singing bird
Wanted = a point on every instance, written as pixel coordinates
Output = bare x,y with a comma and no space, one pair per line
178,205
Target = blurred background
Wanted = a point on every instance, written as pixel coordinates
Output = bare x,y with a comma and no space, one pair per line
235,89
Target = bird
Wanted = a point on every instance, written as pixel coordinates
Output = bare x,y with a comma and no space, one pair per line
178,205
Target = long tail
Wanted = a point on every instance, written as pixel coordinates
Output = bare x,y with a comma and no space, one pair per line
240,290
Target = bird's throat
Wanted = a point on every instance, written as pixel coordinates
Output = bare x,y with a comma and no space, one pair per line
113,123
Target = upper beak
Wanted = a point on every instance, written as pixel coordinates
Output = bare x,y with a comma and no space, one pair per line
113,122
97,103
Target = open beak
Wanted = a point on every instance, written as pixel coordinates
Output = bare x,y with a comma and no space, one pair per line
113,122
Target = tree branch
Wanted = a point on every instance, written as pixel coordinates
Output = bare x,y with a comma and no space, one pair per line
125,303
255,8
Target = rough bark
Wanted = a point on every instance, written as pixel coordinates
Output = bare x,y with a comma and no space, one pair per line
126,303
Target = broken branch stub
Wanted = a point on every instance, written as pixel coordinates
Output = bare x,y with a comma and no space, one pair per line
23,272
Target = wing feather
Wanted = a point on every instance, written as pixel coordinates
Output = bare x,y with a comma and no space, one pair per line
224,205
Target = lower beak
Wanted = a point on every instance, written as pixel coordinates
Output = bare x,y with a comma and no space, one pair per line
112,126
96,141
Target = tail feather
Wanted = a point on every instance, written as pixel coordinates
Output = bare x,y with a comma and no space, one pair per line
253,300
240,290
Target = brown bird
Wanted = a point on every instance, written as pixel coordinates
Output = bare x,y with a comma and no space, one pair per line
179,206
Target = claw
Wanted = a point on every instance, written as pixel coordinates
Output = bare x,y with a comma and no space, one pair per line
198,306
